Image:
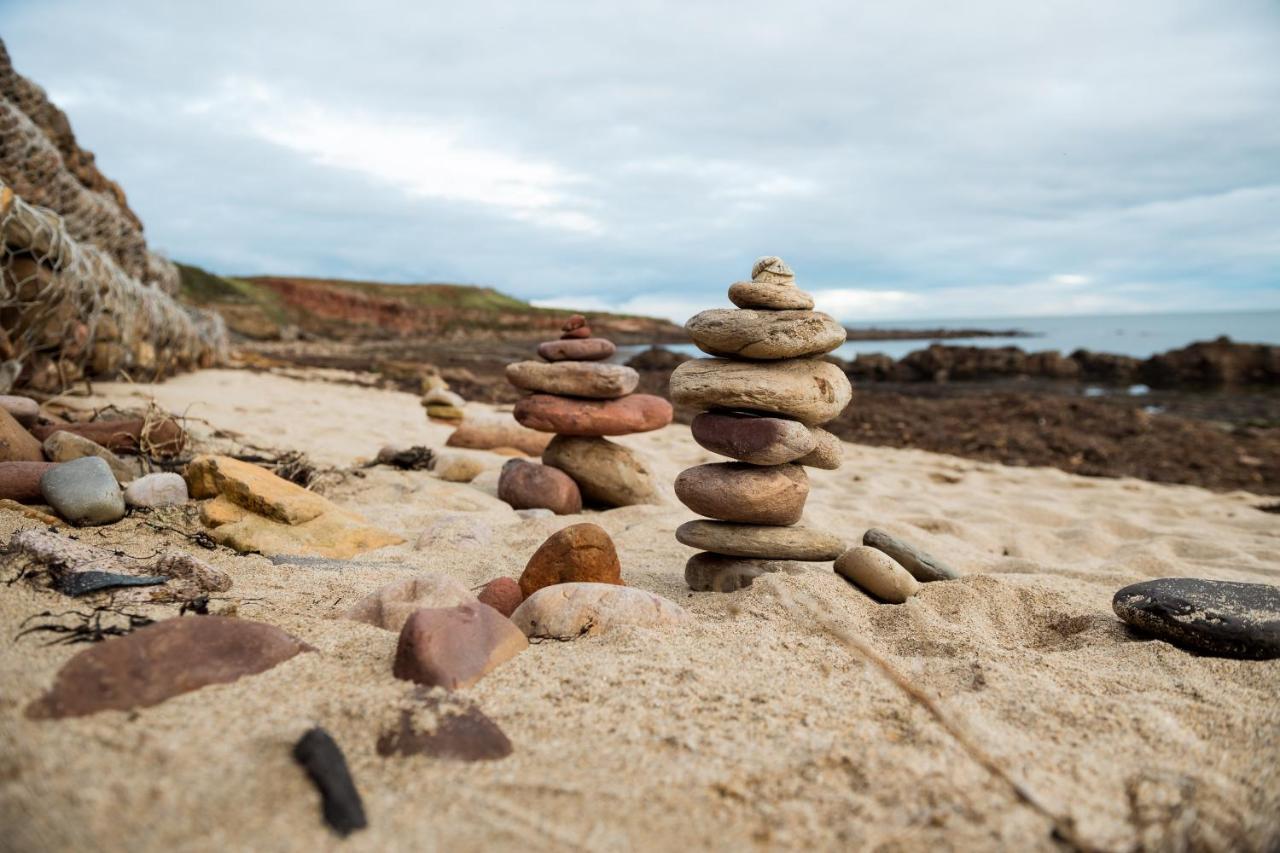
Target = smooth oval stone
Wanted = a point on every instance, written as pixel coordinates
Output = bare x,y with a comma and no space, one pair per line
20,481
443,397
580,349
66,446
827,453
923,567
808,390
594,379
769,297
707,572
16,444
502,594
567,611
528,485
752,438
580,333
564,416
454,647
23,409
162,660
490,431
744,333
772,270
607,473
164,488
760,542
83,491
876,573
578,553
1224,618
739,491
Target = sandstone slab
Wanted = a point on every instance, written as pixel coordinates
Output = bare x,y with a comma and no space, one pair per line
83,491
760,542
769,297
580,349
389,606
606,473
877,574
739,491
594,379
454,647
570,610
335,533
746,333
254,488
636,413
162,660
751,438
578,553
528,485
808,390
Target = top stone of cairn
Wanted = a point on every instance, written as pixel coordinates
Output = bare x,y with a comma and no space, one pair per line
772,270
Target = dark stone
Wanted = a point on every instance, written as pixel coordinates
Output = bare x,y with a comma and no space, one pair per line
324,762
81,583
160,438
530,485
1223,618
923,567
460,733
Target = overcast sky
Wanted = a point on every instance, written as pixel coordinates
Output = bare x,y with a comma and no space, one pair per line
909,159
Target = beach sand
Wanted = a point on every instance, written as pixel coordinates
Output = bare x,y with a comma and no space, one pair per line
752,727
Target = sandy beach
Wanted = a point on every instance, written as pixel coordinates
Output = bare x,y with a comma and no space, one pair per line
754,726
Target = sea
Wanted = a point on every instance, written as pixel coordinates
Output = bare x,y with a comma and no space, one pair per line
1138,335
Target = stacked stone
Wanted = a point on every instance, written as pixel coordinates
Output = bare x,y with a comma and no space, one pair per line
765,393
582,398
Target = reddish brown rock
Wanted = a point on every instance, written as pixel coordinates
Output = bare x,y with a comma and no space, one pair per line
162,438
575,321
564,416
16,444
751,494
450,728
20,481
579,333
580,553
577,349
758,440
530,485
503,595
454,647
164,660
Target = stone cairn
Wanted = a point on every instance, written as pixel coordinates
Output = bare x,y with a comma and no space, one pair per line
582,398
765,392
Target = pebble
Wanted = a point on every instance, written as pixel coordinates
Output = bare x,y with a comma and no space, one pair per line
443,397
578,553
390,606
760,542
322,759
502,594
66,446
579,333
745,333
16,444
485,432
769,297
568,611
450,729
595,379
162,660
564,416
579,349
156,490
454,647
20,481
808,390
717,573
445,413
606,473
1221,618
528,485
23,409
772,270
827,453
83,491
457,467
573,324
877,574
754,439
739,491
923,567
164,438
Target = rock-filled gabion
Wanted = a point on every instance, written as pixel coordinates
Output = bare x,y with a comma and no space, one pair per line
765,393
581,397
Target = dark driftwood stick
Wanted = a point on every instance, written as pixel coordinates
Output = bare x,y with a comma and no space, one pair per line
322,758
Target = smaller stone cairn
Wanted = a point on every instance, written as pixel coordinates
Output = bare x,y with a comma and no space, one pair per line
764,392
581,398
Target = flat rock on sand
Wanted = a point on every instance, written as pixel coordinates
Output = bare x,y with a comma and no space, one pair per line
739,491
751,438
808,390
581,349
744,333
163,660
563,416
567,611
594,379
454,647
496,430
389,606
760,542
607,473
1227,618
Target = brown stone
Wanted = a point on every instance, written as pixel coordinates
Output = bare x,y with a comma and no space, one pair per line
567,611
772,270
578,349
584,332
605,472
24,410
454,647
769,335
760,542
530,485
708,572
162,438
769,297
564,416
575,321
578,553
593,379
20,481
810,390
487,432
877,574
254,488
391,605
16,444
827,453
739,491
751,438
164,660
444,727
502,594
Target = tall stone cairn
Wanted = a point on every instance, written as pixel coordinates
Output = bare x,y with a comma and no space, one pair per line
764,394
581,397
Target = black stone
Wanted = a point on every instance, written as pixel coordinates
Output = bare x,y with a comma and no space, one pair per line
1223,618
82,583
324,762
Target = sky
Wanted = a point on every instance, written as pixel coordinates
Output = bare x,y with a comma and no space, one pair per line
909,160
